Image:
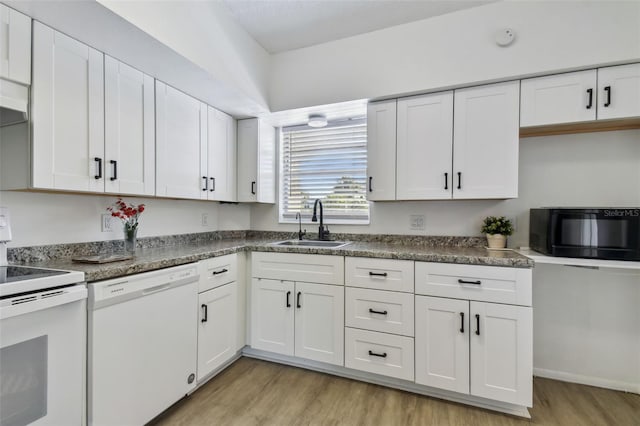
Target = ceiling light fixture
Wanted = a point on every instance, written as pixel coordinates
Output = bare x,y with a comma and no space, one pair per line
317,120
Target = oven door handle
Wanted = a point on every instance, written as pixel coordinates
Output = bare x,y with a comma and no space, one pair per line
67,295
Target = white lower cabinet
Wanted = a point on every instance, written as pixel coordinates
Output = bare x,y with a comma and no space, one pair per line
478,348
298,319
217,328
442,343
501,350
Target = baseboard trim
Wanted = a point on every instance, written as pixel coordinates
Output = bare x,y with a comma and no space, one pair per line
587,380
514,410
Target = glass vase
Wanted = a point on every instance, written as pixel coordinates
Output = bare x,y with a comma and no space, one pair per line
130,239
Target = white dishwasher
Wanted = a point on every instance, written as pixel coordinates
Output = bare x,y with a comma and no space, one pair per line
142,344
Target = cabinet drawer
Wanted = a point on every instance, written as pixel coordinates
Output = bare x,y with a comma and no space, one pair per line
313,268
379,353
379,274
376,310
217,271
472,282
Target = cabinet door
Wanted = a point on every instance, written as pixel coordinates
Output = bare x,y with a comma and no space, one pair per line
129,130
266,164
425,137
248,160
221,156
216,327
619,92
560,98
501,352
319,329
442,343
181,130
272,315
15,45
67,113
381,150
485,143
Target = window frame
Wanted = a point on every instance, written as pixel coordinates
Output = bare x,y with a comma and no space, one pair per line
306,217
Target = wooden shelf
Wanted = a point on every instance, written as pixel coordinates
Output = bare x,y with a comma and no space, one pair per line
586,127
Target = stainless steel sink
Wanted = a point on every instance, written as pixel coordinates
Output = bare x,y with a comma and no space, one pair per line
312,243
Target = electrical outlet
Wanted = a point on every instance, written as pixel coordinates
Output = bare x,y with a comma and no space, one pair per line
105,223
416,222
205,219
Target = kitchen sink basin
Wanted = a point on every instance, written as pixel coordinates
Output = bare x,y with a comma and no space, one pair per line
312,243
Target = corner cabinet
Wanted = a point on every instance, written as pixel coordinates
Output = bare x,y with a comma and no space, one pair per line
67,113
460,144
256,161
474,331
181,131
381,150
298,318
15,46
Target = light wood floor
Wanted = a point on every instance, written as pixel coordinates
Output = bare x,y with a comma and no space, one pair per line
253,392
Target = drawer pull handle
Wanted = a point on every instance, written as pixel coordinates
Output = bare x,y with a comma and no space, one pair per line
462,322
469,282
222,271
382,355
477,324
205,313
377,274
377,312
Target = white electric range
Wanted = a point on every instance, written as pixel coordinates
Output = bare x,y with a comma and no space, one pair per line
43,323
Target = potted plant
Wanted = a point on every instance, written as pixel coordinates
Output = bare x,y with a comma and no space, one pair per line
497,229
129,214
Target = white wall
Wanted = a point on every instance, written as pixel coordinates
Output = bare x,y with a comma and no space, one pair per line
589,169
207,35
42,218
457,49
585,326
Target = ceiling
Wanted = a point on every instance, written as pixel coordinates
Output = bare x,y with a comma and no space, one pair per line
281,25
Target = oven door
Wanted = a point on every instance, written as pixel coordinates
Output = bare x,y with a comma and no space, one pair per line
595,234
42,358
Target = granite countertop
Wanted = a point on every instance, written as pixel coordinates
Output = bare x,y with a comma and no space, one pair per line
147,259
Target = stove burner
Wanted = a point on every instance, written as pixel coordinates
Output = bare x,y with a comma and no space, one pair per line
10,274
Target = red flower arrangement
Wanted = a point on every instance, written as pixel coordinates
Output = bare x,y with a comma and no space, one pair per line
127,213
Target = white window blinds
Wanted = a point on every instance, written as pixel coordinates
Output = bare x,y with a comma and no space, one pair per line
329,164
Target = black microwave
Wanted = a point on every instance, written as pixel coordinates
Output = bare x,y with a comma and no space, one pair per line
592,233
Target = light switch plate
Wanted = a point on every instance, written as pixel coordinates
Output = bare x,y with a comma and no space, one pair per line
106,224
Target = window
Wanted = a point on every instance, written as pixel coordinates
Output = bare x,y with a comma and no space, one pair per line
328,163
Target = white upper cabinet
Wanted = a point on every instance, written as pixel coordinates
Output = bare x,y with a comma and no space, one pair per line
15,45
424,143
485,141
381,150
256,161
67,113
219,155
619,92
129,130
181,131
561,98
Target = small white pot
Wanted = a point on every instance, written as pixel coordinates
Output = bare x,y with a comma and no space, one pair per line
496,240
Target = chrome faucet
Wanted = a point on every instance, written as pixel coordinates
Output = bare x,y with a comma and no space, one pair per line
300,232
323,234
